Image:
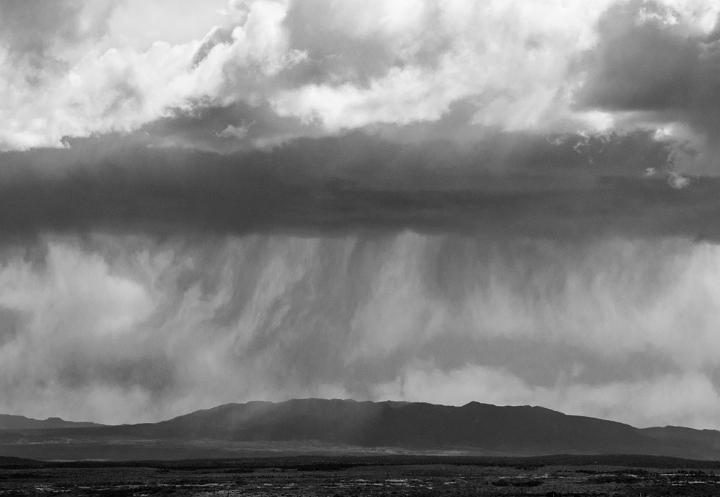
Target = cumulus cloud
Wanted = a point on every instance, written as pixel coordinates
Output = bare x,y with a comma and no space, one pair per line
543,66
357,65
511,59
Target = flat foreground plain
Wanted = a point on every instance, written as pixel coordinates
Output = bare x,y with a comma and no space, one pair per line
363,476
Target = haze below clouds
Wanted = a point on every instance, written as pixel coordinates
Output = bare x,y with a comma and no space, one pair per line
507,202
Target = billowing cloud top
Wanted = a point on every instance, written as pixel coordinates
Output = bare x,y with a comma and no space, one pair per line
276,70
511,202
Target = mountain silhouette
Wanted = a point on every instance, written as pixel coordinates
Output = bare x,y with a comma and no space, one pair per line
13,422
472,428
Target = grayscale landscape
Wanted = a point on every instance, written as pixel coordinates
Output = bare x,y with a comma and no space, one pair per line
346,427
359,247
340,447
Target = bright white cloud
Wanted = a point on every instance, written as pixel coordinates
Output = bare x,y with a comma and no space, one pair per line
514,58
116,67
108,83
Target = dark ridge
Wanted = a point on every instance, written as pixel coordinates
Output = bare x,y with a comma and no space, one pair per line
347,425
12,422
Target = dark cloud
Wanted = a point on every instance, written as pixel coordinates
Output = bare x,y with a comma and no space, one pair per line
650,61
566,186
223,129
641,66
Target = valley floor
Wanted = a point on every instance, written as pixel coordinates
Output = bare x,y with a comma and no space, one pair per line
309,476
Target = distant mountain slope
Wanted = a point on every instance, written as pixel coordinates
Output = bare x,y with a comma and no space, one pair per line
686,435
11,422
474,427
512,430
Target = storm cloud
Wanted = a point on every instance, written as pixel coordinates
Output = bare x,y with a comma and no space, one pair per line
511,185
508,202
125,328
657,66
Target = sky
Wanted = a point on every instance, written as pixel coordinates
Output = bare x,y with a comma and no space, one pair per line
511,202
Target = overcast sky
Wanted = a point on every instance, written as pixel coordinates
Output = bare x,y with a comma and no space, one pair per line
513,202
